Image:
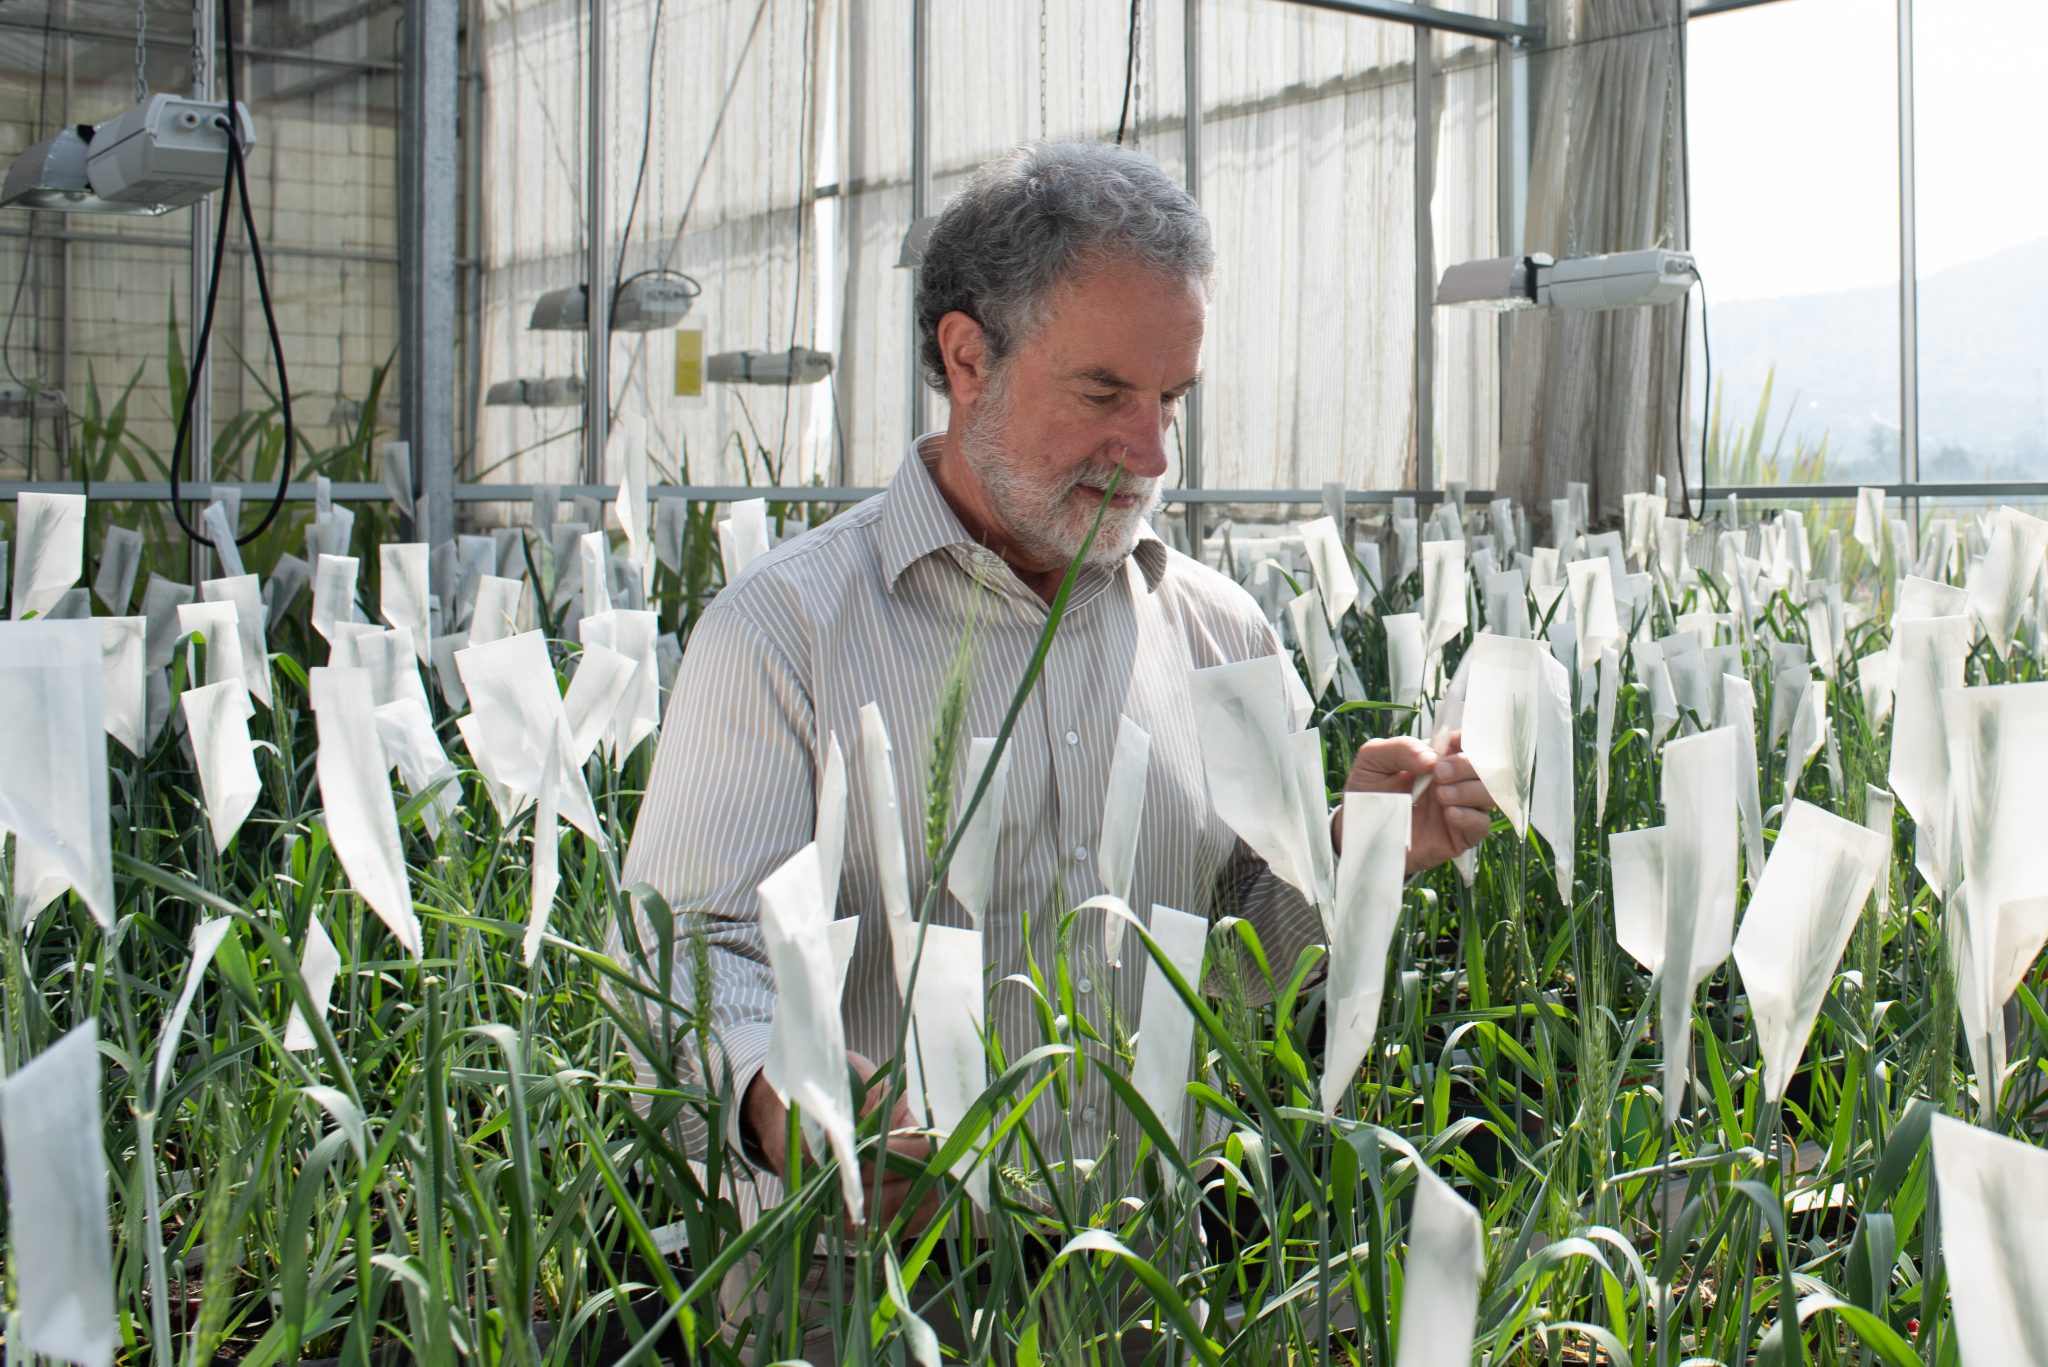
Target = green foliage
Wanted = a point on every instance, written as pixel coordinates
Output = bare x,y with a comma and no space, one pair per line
468,1165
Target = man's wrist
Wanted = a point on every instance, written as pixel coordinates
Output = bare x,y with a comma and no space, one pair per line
760,1109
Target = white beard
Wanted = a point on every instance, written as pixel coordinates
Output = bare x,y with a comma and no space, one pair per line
1036,511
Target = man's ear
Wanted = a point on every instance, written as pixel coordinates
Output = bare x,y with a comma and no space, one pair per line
963,346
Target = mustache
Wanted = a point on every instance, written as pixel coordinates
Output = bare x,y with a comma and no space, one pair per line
1099,480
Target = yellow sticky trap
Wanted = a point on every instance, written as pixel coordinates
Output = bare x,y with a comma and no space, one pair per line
690,363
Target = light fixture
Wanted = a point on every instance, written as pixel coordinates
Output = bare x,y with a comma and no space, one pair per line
798,365
546,393
349,412
1581,283
911,254
51,175
649,302
167,150
33,401
164,153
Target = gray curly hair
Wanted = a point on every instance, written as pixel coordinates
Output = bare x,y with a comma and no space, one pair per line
1030,219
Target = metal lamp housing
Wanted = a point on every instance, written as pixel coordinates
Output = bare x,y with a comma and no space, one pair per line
51,175
168,151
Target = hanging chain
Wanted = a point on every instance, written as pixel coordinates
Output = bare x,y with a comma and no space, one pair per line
1043,123
141,50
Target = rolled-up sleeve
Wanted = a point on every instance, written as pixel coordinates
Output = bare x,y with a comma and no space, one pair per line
730,798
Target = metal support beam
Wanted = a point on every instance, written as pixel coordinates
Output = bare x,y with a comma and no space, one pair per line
1191,153
1909,272
303,34
1424,221
1429,16
119,37
126,491
426,266
597,293
1702,9
165,242
158,491
1511,123
199,275
920,183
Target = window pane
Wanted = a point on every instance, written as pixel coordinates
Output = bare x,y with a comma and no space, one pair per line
1793,111
1982,240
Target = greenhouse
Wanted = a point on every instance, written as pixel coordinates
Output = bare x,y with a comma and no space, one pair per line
1170,681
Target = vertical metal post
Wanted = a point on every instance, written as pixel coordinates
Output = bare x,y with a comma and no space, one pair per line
64,262
1191,153
597,293
426,261
201,378
1425,258
1511,86
471,275
1909,278
920,178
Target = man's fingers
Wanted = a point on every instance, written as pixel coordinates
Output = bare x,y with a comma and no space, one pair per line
1470,793
1410,755
1468,825
1395,755
1453,769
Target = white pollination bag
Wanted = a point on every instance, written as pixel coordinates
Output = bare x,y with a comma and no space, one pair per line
57,1203
1799,920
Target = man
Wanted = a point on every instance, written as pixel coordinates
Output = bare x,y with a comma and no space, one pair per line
1060,304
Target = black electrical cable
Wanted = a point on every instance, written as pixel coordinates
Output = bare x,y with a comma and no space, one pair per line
1123,113
237,176
1706,403
1684,346
28,244
639,176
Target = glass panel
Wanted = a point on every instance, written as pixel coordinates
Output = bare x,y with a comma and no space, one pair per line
1793,112
99,292
1982,240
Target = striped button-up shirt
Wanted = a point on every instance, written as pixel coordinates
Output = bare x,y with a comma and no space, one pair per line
872,607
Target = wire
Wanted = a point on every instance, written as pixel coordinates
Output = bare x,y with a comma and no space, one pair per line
28,241
237,176
697,182
1684,326
639,176
1706,403
1123,113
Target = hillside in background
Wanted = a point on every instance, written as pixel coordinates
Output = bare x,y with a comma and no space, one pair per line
1983,368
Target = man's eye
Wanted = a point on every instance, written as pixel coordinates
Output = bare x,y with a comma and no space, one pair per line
1103,399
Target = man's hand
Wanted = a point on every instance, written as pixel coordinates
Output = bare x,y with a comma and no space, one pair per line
1451,817
766,1119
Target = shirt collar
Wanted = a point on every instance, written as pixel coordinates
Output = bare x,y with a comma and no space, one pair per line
916,521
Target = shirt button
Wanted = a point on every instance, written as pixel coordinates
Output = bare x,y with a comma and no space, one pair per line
1086,984
1088,1113
1080,853
1073,738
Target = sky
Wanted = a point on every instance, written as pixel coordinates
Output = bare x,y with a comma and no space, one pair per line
1794,140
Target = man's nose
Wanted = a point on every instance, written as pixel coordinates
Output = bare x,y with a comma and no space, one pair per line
1144,442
